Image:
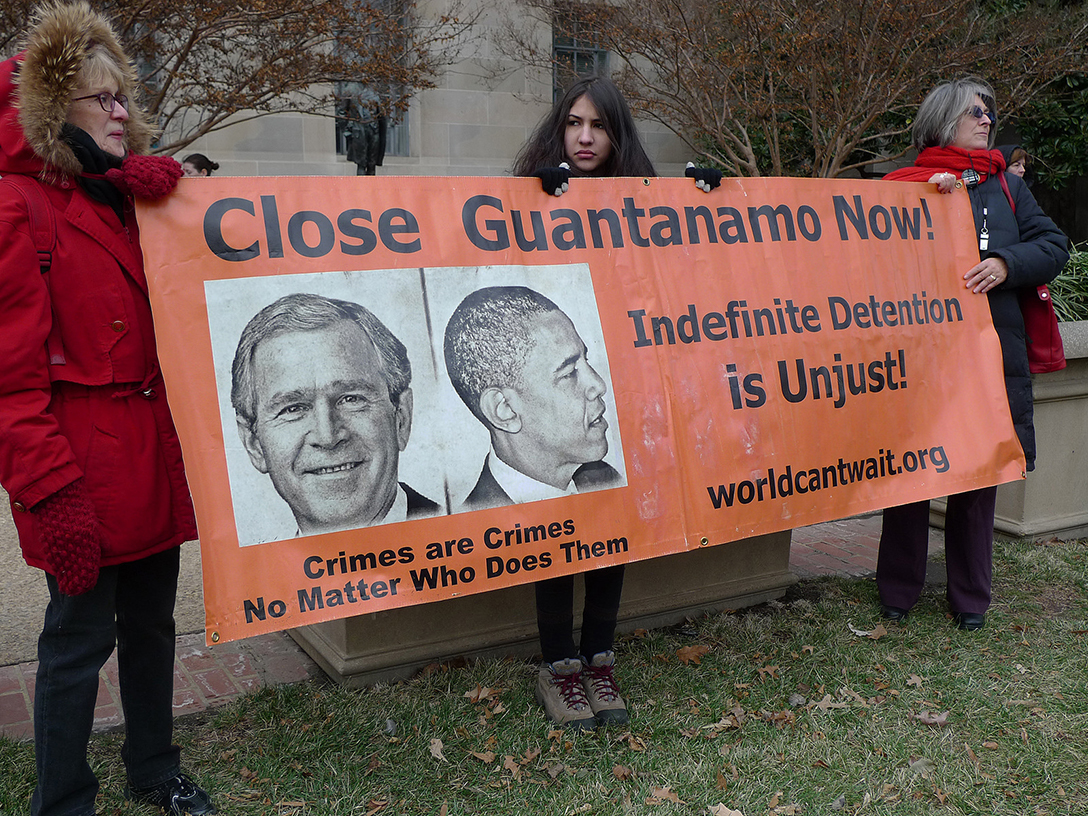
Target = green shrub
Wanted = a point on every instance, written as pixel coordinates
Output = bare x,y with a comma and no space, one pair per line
1070,289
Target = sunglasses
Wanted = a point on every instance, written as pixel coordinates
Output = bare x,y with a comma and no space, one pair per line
978,113
107,100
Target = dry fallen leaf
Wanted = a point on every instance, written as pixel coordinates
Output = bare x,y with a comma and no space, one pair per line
659,796
875,634
929,718
622,772
826,703
478,693
771,671
436,749
922,766
511,764
721,810
915,680
691,654
487,757
990,744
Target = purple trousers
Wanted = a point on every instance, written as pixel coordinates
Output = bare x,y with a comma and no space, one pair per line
968,537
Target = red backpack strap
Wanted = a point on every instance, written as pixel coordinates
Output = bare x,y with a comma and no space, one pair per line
43,232
43,223
1005,187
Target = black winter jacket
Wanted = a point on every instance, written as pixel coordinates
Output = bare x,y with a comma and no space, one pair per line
1035,251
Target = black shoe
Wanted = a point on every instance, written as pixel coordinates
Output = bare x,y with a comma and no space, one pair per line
893,613
970,621
176,796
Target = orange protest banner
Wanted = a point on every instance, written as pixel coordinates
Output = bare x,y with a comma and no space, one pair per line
392,391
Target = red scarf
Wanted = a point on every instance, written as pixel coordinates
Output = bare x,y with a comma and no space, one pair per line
950,160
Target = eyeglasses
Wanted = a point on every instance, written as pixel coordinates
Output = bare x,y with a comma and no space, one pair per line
978,113
107,100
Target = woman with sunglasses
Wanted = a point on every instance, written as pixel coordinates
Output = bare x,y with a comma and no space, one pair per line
1019,248
88,452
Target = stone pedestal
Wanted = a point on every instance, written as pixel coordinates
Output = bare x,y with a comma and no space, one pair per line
396,643
1053,501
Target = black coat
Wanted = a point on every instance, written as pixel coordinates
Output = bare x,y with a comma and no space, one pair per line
1035,251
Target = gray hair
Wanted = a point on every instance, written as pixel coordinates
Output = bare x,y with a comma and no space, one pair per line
940,112
306,312
488,339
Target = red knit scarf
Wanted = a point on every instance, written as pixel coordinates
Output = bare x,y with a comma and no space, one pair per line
950,160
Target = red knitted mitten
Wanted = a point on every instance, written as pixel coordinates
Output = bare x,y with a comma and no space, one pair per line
72,537
146,176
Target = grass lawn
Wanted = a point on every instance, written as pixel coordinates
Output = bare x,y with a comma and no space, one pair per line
803,706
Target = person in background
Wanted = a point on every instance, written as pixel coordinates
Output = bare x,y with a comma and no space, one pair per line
1017,161
1019,246
197,164
88,451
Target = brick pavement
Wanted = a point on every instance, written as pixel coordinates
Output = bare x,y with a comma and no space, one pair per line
205,677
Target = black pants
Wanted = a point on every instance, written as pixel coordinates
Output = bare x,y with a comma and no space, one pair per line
968,546
132,607
555,613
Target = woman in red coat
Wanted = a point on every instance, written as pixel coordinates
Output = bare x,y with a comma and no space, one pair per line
88,452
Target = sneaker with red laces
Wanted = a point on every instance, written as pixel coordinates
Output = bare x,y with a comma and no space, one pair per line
559,689
599,682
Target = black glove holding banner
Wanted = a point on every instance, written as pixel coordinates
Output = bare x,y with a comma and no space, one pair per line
706,178
554,179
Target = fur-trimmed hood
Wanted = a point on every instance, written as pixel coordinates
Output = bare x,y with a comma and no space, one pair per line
36,87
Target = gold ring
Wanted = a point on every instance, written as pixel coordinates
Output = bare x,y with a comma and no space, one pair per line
993,277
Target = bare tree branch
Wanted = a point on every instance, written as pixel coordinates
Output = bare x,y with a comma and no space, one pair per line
205,64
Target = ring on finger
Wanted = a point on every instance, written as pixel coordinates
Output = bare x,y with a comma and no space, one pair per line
993,277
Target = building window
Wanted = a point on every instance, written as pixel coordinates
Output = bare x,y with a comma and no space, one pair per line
576,49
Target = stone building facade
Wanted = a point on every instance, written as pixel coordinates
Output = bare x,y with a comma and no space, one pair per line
483,108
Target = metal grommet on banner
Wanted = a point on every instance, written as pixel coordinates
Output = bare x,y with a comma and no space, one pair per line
215,637
704,541
646,182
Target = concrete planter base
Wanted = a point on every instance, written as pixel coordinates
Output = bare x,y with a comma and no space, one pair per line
396,643
1053,501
